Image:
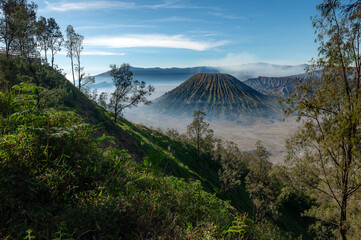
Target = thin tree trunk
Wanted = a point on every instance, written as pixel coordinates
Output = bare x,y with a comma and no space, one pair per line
115,113
46,55
7,49
79,76
343,218
198,146
72,69
52,58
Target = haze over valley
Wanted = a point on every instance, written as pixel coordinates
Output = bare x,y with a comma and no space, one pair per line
244,129
180,119
165,79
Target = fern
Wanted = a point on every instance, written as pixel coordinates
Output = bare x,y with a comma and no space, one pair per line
29,235
238,228
62,233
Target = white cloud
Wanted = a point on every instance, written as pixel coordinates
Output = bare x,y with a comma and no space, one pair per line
63,6
174,19
102,53
227,16
232,59
113,26
152,40
244,65
98,53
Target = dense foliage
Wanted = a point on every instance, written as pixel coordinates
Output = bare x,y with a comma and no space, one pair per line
61,177
53,174
325,152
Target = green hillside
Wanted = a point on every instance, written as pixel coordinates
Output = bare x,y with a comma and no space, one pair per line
67,171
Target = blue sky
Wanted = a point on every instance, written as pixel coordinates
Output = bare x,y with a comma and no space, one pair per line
182,33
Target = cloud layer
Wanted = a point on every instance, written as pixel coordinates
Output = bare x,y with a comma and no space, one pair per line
245,65
97,53
152,40
63,6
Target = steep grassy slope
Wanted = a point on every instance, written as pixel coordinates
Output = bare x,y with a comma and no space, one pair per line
221,96
163,154
167,156
58,176
58,180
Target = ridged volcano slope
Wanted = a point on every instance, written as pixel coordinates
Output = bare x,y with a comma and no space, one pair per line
220,96
275,86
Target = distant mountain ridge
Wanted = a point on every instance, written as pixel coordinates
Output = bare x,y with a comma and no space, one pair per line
156,71
220,96
154,75
179,75
275,86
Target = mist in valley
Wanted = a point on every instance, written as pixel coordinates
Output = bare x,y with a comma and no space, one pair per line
272,133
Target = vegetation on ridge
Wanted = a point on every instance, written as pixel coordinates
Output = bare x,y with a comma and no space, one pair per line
60,177
69,169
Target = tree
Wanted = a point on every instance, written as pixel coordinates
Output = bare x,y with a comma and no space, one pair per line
74,45
17,27
199,132
259,183
78,48
102,99
128,92
7,24
25,20
233,165
353,8
42,34
70,42
325,152
55,40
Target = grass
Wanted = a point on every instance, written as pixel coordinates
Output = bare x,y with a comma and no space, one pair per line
57,179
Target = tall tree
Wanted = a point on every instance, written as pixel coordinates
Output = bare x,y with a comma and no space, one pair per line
78,48
70,45
326,150
17,27
259,183
55,40
25,17
8,30
102,99
128,92
233,164
42,34
199,131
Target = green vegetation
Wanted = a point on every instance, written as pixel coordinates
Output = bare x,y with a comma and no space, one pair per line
325,151
61,177
128,92
200,133
69,169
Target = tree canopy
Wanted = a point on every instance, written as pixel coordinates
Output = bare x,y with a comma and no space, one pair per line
128,92
325,151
